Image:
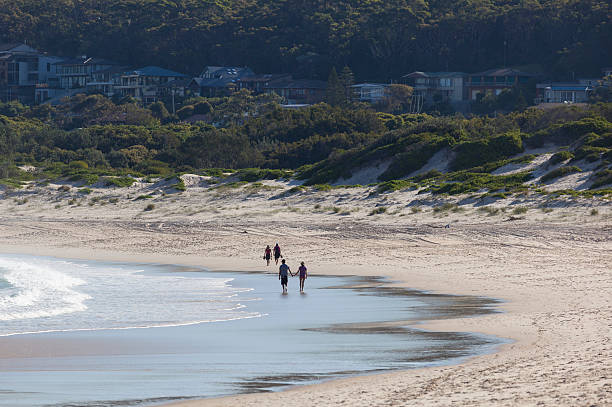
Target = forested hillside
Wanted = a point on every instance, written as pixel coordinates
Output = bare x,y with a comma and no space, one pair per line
379,40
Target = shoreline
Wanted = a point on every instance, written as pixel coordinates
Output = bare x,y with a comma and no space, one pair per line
553,278
437,308
239,265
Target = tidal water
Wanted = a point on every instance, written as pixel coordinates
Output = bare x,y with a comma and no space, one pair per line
84,333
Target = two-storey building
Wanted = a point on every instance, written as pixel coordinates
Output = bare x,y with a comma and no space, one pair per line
495,81
438,86
218,80
145,84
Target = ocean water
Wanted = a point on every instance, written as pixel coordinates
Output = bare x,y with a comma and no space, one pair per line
76,333
46,295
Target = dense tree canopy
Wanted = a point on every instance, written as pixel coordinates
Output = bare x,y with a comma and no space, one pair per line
379,40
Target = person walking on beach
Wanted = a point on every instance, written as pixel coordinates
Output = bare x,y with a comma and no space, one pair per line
303,275
277,253
267,255
283,275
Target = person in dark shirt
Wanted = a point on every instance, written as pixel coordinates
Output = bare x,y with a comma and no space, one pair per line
283,275
277,253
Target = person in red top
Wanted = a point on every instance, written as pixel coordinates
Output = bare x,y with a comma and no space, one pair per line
267,254
303,275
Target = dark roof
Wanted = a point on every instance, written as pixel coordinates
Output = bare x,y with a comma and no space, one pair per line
9,46
225,72
265,77
113,69
370,84
298,84
419,74
86,61
156,71
563,86
504,72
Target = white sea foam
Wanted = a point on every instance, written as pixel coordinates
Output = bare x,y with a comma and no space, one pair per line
36,291
49,295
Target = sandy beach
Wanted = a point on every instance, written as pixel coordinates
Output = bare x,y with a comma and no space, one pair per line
550,267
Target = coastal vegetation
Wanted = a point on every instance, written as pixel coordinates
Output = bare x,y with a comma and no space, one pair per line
320,145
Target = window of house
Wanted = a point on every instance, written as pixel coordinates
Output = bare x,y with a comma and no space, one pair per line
446,82
48,67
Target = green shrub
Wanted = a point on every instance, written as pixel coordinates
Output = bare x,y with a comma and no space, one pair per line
78,165
561,156
465,182
149,207
560,172
141,197
475,153
395,185
427,175
256,174
90,179
594,212
179,186
602,178
64,188
120,182
378,211
444,207
519,210
491,211
322,187
85,191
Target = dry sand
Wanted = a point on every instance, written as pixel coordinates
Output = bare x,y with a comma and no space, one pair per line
551,265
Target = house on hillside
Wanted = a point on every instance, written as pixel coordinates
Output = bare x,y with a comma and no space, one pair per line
298,91
438,86
369,92
258,83
606,72
494,81
75,73
218,80
22,69
556,92
145,84
106,81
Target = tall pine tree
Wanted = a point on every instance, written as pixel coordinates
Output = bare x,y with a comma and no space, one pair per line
347,80
334,94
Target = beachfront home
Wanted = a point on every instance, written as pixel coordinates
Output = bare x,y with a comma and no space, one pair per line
298,91
218,80
21,69
106,81
494,81
369,92
258,83
438,86
145,84
556,92
75,73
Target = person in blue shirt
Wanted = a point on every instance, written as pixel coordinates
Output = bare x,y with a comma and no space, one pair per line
283,275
